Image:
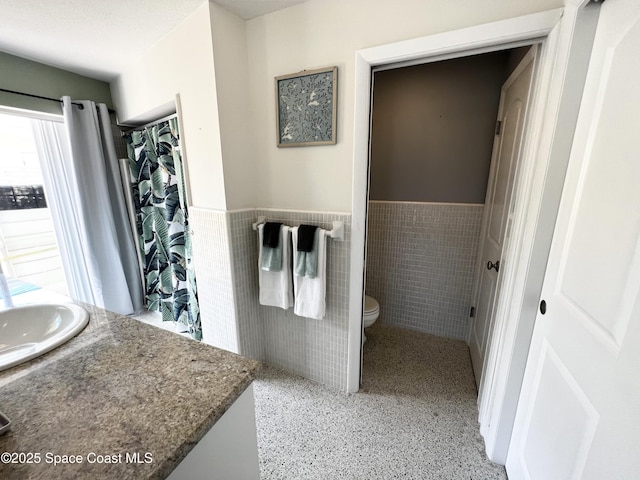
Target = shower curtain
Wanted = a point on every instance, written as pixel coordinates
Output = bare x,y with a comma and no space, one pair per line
158,184
86,199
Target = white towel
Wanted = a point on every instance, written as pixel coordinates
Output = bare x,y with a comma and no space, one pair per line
275,287
310,293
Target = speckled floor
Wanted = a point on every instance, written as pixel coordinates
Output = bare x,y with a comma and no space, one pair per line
415,417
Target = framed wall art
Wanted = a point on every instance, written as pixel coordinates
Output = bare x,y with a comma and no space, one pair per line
306,108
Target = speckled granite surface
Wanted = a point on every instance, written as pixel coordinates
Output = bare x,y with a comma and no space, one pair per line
120,387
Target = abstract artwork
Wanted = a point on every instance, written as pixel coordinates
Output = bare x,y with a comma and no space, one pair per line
306,108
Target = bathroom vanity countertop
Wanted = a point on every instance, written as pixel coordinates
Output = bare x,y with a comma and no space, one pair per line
118,395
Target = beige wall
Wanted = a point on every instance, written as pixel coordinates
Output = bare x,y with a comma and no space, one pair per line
228,102
181,63
232,85
329,32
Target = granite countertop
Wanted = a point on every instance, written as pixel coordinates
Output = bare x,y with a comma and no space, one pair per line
121,392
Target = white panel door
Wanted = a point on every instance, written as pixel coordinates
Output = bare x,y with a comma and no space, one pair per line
512,112
579,410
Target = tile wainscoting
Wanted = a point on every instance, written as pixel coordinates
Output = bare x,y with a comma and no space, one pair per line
315,349
226,262
420,264
212,262
244,260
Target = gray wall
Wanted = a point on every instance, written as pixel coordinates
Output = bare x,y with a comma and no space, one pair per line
432,129
36,78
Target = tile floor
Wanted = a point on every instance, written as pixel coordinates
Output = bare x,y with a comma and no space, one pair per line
415,417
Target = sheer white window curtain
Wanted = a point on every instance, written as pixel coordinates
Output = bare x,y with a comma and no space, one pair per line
84,191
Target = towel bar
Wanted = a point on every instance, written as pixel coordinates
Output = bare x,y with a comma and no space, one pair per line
260,221
337,233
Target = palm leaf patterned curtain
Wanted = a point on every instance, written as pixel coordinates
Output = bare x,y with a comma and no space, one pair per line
157,181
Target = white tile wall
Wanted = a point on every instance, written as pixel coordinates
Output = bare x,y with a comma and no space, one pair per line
244,260
316,349
420,264
420,268
226,261
212,261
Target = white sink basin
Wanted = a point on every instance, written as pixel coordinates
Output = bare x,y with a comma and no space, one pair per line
29,331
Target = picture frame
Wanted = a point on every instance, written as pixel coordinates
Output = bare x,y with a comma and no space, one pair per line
306,107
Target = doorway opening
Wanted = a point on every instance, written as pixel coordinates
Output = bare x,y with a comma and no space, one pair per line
557,91
432,141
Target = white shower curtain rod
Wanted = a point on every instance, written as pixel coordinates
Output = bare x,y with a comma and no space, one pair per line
124,128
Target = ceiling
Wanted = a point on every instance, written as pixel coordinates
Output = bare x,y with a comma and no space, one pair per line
99,38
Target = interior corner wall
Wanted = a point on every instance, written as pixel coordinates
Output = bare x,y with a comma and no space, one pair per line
321,33
244,272
229,41
181,63
26,76
213,266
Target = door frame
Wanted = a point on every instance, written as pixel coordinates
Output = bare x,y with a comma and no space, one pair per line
565,36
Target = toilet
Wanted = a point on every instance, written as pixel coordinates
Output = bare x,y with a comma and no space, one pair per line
371,312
